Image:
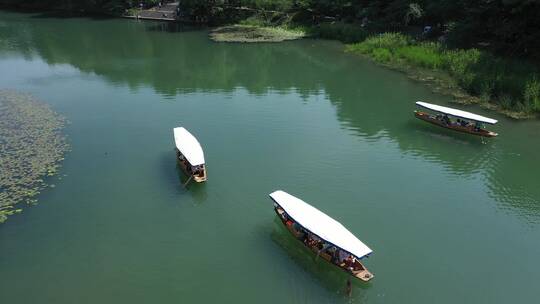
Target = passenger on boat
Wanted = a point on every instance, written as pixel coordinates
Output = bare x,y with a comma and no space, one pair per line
197,170
349,262
477,126
289,223
446,120
333,251
342,257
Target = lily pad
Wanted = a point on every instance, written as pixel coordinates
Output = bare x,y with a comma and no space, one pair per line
31,147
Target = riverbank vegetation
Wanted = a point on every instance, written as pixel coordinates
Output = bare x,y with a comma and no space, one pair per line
32,147
510,84
489,48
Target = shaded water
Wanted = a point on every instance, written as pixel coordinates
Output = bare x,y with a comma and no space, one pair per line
449,219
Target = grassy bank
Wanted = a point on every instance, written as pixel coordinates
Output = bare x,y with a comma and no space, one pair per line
509,85
471,75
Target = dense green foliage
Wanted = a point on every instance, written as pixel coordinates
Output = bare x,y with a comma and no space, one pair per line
113,7
510,83
341,31
508,27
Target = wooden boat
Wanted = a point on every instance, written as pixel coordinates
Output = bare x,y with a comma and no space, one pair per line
189,154
323,235
461,121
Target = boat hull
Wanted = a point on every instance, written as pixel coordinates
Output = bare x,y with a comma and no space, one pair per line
363,274
464,129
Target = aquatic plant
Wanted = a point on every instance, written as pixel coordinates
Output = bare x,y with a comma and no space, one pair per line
248,33
31,148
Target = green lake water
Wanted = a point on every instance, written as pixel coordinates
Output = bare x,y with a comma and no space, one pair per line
450,220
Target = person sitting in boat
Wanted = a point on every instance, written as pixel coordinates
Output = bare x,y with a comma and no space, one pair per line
446,120
283,215
312,241
197,170
333,252
477,126
289,223
342,257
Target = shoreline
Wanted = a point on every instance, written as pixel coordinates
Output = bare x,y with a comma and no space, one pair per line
442,83
509,103
471,76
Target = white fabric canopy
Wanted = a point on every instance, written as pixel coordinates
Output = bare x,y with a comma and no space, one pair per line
455,112
320,224
188,146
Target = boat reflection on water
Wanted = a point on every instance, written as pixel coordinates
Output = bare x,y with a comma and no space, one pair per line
500,164
197,191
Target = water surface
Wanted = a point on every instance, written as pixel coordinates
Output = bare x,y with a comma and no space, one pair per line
450,219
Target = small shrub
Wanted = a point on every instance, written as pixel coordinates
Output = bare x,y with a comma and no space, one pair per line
425,55
532,94
460,61
387,41
505,102
382,55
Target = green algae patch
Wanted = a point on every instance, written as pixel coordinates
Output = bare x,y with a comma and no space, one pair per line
31,149
249,33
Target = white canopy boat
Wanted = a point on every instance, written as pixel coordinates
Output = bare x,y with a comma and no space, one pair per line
322,234
464,121
189,154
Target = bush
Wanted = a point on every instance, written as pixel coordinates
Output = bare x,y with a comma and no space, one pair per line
532,94
459,61
381,55
386,40
426,55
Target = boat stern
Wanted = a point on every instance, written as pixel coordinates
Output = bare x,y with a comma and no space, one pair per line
363,275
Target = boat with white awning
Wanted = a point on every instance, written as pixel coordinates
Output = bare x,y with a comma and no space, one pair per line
322,234
189,154
455,119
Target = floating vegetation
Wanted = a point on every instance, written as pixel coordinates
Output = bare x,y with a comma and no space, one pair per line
31,148
249,33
